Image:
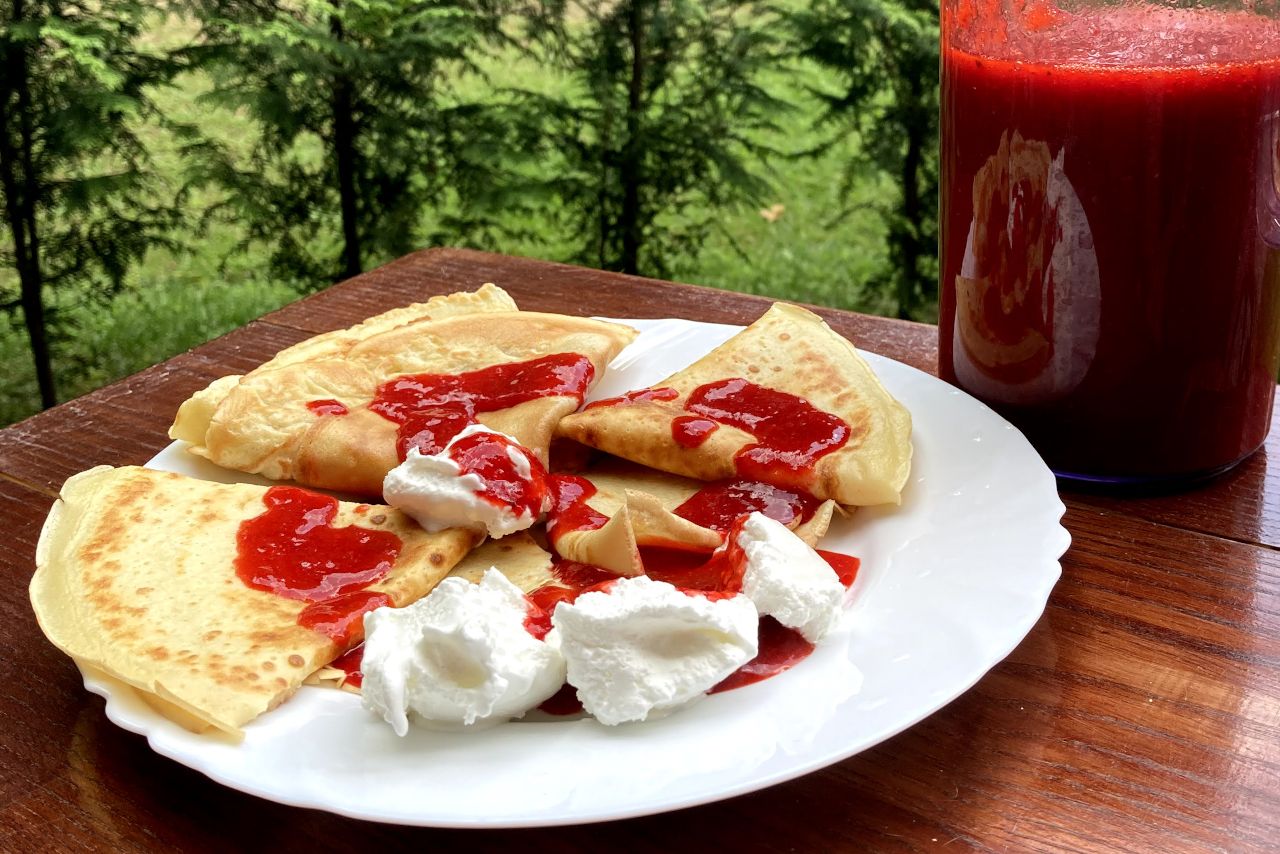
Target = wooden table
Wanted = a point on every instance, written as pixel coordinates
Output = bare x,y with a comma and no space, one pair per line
1141,713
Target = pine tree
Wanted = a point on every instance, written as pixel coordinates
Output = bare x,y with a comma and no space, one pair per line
885,53
658,132
75,183
360,128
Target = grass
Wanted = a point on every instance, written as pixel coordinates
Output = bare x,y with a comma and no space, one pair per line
138,328
176,300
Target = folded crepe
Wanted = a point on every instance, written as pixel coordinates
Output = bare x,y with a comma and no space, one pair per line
306,415
799,375
610,546
136,576
629,518
653,498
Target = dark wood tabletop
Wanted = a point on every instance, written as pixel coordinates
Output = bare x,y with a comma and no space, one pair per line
1142,713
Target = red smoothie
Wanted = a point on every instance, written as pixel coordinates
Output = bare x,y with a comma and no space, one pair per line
1110,214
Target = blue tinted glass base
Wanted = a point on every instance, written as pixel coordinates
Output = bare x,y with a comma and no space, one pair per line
1141,484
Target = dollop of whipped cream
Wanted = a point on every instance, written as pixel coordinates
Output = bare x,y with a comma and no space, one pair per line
642,647
788,580
461,657
434,490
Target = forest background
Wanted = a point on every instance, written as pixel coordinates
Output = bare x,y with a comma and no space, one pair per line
169,172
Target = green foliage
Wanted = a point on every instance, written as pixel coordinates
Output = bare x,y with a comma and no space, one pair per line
80,201
358,128
885,56
658,130
172,309
184,291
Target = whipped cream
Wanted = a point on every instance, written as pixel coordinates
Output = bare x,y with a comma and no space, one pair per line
788,580
433,490
643,647
461,657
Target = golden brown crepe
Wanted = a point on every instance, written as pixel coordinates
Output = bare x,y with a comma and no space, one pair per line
791,350
815,528
135,577
612,546
518,556
261,423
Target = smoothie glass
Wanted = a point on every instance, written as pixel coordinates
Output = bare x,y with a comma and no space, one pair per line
1110,228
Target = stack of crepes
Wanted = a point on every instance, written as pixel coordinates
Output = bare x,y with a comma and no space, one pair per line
138,571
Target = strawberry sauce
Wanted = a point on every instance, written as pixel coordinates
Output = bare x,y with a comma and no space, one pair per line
690,570
638,396
718,505
690,431
572,580
563,702
569,508
431,409
845,566
327,407
350,663
342,617
294,551
791,435
489,456
780,648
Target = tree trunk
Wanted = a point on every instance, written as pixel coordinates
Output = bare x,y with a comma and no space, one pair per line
344,151
21,190
911,227
631,172
602,200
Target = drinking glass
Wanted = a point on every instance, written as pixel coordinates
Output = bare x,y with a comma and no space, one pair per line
1110,228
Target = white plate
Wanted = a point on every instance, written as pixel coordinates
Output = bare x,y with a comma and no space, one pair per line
951,581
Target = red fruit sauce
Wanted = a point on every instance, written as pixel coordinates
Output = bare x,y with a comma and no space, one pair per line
1110,278
294,551
791,435
780,648
563,702
569,508
718,505
690,431
636,397
572,580
487,455
431,409
845,566
327,407
342,617
350,663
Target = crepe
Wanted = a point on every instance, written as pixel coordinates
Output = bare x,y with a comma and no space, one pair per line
654,496
789,350
517,556
135,576
261,422
612,546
